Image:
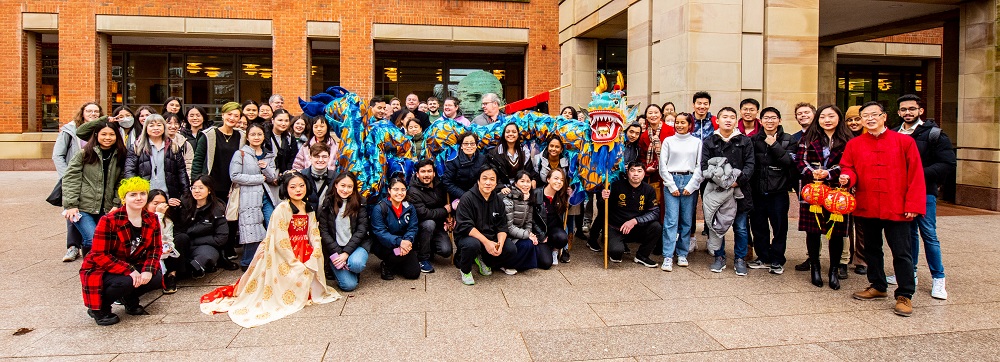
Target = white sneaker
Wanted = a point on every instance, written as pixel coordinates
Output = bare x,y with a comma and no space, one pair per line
555,257
682,261
693,247
937,289
508,271
891,280
668,265
71,254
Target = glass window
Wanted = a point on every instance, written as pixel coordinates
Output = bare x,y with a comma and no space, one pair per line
857,85
325,72
50,87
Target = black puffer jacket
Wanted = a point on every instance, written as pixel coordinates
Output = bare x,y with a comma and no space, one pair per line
174,169
497,157
461,173
429,200
328,231
938,158
206,226
545,215
520,215
739,152
774,164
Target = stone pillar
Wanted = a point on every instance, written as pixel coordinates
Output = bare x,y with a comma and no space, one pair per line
291,55
639,77
579,67
791,60
356,65
78,59
827,80
978,183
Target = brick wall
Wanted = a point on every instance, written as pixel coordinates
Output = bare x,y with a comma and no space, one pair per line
929,36
79,44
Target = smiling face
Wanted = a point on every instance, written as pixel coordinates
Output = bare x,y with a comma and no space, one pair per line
194,118
91,112
413,127
143,113
106,137
510,133
320,161
250,111
255,136
319,129
412,102
395,105
556,179
770,122
748,112
491,107
701,107
469,145
265,111
653,116
681,124
174,106
873,118
426,174
828,120
910,111
173,126
155,129
555,148
567,113
804,115
450,109
199,191
280,123
231,118
345,187
855,124
397,192
433,105
299,126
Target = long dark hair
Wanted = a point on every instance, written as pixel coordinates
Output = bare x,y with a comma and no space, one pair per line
841,134
312,123
90,153
561,197
153,194
189,206
333,199
548,141
205,121
517,142
180,103
287,177
572,110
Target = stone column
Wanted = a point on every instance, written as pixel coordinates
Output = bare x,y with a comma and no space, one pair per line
291,55
791,60
579,67
639,77
827,76
978,125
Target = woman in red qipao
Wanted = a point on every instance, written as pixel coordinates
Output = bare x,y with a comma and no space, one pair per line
286,273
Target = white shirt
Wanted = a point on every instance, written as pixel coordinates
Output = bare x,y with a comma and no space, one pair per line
904,130
681,153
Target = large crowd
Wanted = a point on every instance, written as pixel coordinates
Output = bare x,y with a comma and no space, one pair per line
151,198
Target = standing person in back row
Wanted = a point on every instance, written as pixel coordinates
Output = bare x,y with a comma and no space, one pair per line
938,160
703,125
491,110
773,170
736,149
885,167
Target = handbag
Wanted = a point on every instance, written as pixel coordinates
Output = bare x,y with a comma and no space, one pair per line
233,205
55,197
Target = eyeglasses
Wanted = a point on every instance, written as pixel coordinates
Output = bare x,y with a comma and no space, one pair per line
871,115
769,118
911,110
468,144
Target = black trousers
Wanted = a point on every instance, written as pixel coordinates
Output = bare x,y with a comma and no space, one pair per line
431,238
897,235
179,265
554,241
405,265
469,248
770,214
644,234
835,246
117,286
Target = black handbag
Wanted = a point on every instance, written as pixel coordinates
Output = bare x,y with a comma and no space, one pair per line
55,198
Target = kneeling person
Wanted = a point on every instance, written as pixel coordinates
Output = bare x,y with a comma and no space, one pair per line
430,199
632,215
394,223
481,232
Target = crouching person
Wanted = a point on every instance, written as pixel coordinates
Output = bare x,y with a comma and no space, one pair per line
343,226
125,259
481,232
632,216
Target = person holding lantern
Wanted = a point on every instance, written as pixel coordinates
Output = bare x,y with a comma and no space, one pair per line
885,167
818,156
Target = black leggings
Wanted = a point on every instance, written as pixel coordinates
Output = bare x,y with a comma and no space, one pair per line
117,286
836,247
555,241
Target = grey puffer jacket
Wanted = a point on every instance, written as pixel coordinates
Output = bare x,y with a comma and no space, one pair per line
519,214
67,145
254,182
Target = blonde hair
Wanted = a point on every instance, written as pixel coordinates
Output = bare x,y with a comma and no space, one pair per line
142,145
132,184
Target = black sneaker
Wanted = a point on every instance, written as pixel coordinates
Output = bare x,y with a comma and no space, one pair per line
842,271
803,267
594,248
136,310
103,318
170,283
646,261
197,271
861,270
387,273
757,264
776,269
564,256
228,265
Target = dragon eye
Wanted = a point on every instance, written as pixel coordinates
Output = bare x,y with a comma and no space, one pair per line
616,102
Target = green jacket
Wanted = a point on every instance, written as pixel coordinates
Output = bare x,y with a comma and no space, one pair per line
85,188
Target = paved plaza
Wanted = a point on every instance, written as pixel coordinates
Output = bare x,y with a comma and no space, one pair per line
576,311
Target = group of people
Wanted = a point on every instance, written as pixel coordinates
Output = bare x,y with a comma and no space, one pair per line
267,183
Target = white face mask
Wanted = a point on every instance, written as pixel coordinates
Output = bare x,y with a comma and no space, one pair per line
126,122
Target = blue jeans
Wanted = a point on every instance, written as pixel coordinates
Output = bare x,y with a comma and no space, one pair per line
740,234
347,279
926,226
249,249
87,225
678,212
268,209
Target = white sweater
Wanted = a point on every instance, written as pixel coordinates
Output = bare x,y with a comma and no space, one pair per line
681,153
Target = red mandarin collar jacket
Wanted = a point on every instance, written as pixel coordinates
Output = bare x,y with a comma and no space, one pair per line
888,175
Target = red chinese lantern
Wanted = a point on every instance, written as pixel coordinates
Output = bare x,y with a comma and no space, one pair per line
839,202
815,194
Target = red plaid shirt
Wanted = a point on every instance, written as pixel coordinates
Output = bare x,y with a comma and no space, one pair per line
110,253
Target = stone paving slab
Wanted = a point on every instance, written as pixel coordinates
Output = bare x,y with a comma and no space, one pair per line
576,311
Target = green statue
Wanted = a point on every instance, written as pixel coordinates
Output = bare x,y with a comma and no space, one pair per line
472,88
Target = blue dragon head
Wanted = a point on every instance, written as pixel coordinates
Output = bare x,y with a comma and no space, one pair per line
608,111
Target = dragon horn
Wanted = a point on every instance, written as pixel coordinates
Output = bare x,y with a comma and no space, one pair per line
620,81
602,85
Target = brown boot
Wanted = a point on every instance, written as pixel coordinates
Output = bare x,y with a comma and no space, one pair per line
904,306
870,293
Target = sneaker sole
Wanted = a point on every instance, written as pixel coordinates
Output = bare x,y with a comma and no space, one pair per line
646,265
758,267
718,270
776,272
873,298
741,275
